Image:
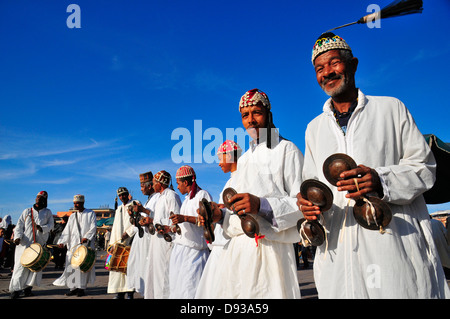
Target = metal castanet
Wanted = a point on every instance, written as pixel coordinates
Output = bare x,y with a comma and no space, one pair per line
151,228
320,195
248,223
373,213
317,193
135,218
311,231
335,164
176,226
166,233
205,210
369,211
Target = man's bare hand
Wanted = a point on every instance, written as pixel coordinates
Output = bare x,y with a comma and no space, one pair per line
245,203
308,209
367,181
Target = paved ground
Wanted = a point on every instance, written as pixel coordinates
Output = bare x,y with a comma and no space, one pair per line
98,291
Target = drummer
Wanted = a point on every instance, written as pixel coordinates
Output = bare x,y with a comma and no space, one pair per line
395,164
121,232
33,226
81,229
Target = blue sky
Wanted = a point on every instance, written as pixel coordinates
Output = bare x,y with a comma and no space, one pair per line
86,110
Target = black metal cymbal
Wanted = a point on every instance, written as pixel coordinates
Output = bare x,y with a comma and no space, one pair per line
318,193
151,229
363,215
249,225
227,194
335,164
314,231
205,210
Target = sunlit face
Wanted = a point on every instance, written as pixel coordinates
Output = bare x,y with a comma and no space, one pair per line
225,162
182,186
41,201
254,118
147,188
157,186
124,197
333,74
79,206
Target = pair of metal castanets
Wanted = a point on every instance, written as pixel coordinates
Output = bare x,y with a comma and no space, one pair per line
248,223
160,228
369,211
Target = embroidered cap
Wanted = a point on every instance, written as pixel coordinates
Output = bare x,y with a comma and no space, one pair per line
43,194
254,97
122,190
146,177
326,42
78,198
185,171
163,177
228,146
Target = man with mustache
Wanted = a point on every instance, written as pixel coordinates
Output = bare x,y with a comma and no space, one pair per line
81,229
396,165
267,179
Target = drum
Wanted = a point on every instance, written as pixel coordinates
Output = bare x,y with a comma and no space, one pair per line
35,257
83,258
119,258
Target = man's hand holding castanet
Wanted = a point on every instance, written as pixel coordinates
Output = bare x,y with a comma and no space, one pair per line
245,203
359,182
309,210
216,214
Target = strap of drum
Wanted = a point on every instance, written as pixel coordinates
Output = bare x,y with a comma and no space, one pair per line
33,224
78,226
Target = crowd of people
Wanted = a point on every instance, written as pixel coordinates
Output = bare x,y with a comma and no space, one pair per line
179,259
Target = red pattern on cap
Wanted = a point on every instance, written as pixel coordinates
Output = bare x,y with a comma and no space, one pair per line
227,147
254,97
185,171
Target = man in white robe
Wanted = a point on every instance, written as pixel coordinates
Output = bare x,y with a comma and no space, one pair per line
81,228
34,225
157,283
140,249
228,154
121,232
396,165
267,180
440,238
190,251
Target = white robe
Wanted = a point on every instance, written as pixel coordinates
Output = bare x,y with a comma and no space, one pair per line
157,283
189,253
208,282
22,277
139,252
360,263
440,238
117,281
71,237
269,270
